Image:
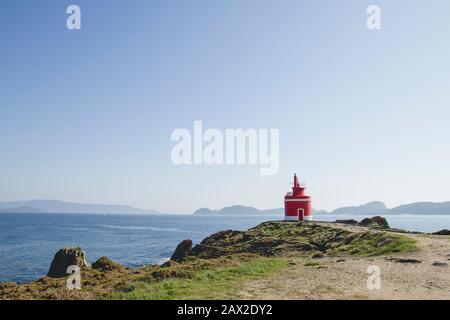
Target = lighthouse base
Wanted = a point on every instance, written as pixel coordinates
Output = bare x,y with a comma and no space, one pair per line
295,218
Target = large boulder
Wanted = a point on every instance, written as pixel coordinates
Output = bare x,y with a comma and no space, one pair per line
182,251
64,258
375,222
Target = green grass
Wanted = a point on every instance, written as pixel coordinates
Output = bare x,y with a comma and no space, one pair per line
206,284
371,246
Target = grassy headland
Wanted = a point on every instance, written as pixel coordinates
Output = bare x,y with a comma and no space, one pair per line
219,266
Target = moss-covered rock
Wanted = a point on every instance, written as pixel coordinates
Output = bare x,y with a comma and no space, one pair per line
277,238
106,264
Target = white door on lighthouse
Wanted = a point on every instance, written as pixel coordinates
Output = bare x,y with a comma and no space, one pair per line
300,214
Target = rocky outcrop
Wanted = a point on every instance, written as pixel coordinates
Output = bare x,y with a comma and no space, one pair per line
182,251
63,259
275,238
444,232
375,222
106,264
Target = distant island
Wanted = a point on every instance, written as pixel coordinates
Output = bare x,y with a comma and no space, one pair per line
56,206
371,208
378,207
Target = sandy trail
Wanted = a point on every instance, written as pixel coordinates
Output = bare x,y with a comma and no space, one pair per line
334,278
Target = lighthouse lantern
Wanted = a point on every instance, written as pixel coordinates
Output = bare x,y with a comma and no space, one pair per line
297,205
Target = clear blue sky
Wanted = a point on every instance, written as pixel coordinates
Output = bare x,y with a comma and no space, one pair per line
87,115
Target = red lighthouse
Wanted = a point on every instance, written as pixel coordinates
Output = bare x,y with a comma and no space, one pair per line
297,205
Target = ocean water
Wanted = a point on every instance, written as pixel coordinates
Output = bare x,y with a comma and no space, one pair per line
28,242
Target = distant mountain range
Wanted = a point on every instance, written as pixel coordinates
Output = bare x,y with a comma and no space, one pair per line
55,206
371,208
239,210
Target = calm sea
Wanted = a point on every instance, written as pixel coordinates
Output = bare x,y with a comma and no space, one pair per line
28,242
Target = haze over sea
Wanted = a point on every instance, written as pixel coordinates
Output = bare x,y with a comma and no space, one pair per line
28,242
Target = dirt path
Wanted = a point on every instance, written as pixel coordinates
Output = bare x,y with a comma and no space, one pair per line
334,278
